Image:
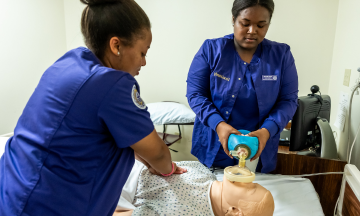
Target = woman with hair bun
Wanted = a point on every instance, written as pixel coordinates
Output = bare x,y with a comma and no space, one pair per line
73,146
242,81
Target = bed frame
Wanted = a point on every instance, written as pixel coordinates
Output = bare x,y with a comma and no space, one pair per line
327,186
349,203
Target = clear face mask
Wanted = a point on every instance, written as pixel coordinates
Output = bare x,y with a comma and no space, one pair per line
239,173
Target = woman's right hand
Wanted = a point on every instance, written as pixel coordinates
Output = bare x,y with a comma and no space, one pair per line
155,152
178,170
224,130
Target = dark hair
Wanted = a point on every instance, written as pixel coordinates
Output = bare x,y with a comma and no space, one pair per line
240,5
103,19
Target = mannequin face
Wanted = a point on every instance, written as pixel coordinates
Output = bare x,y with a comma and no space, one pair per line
232,199
234,212
235,191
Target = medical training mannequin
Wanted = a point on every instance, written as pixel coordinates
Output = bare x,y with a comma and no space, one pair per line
240,199
226,197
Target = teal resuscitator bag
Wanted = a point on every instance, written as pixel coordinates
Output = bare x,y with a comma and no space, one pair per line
237,142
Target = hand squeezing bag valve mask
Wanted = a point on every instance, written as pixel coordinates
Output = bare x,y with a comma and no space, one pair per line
241,143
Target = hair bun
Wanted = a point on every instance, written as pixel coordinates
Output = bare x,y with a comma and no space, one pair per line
98,2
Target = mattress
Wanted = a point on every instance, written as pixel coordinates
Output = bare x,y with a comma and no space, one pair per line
292,196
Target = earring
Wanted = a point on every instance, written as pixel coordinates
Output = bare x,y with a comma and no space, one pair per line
119,53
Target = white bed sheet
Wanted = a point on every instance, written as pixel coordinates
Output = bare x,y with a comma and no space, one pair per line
129,189
292,196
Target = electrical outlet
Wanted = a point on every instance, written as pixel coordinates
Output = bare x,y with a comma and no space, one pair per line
347,77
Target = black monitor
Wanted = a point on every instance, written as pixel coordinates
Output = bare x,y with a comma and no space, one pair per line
305,132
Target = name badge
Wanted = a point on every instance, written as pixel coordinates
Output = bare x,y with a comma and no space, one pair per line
269,77
222,77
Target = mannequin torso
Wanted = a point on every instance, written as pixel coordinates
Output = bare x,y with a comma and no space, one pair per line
194,191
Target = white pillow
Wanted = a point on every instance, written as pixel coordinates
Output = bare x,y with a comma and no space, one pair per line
170,113
3,141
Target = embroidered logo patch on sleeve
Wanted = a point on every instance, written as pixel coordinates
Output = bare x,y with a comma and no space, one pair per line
137,99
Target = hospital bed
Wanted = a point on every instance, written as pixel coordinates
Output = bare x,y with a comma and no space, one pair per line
326,186
293,196
312,195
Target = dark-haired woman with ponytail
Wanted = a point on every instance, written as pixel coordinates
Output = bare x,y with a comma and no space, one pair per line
242,81
73,146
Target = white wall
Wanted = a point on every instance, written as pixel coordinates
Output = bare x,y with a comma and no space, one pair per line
32,37
180,27
308,26
346,55
73,11
322,34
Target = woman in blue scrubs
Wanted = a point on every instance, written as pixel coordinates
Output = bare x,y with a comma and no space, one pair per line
242,81
73,146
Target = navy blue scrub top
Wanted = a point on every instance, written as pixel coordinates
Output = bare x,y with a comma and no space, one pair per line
241,116
70,151
222,87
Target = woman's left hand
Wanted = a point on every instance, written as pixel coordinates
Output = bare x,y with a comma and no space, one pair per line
263,135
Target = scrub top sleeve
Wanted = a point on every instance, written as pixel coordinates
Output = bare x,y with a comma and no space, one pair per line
271,127
286,104
214,120
125,114
198,88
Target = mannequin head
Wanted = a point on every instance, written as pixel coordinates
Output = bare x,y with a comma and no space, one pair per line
239,199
